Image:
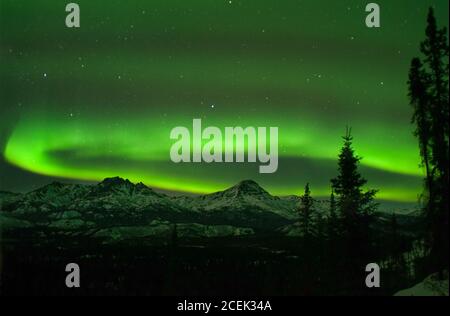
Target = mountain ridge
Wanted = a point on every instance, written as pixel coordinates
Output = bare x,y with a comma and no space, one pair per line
117,202
118,206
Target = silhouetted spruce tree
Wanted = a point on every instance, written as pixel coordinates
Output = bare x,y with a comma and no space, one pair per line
306,211
422,118
428,86
354,204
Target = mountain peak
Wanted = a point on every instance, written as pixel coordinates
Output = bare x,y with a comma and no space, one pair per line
54,186
248,187
115,181
247,184
123,186
116,184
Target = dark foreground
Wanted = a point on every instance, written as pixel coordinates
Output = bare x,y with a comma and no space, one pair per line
214,267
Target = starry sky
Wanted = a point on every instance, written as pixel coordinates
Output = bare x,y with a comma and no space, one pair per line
98,101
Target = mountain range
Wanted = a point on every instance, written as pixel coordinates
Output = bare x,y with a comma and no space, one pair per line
117,209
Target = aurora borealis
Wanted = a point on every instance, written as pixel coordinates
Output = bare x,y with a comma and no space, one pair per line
101,100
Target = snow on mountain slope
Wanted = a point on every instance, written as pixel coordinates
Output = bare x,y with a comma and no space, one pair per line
57,193
39,203
246,195
120,194
114,201
120,207
431,286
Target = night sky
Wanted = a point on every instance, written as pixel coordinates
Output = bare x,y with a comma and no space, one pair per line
99,101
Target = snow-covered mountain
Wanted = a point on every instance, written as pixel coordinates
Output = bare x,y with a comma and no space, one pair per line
244,195
112,202
118,201
117,205
246,202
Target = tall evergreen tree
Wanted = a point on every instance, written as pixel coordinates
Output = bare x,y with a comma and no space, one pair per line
421,117
355,204
428,87
435,50
306,211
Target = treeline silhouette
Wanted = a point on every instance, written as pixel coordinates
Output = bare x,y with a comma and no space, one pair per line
347,228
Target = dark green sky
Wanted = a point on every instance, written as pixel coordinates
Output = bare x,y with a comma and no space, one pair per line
99,101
